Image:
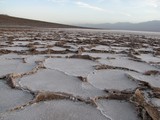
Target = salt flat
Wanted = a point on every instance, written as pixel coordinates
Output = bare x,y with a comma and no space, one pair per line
79,74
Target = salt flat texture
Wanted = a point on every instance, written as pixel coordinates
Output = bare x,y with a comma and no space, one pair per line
57,110
15,48
118,110
10,98
78,74
52,80
104,55
74,67
125,63
153,80
111,79
8,66
148,58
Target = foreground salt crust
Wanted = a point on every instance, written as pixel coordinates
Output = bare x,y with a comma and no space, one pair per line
10,98
8,66
56,110
86,74
53,80
118,110
153,80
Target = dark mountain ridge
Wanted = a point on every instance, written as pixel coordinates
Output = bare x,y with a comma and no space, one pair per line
9,21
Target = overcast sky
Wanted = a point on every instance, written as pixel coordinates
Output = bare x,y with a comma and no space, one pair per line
83,11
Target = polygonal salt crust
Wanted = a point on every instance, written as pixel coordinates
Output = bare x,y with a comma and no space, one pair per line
130,64
8,66
111,79
56,110
74,67
10,98
118,110
148,58
34,58
153,80
52,80
58,48
15,48
104,55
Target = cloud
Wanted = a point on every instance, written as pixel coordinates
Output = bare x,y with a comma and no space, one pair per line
58,1
153,3
86,5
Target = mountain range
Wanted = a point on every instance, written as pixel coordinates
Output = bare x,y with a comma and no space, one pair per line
153,26
9,21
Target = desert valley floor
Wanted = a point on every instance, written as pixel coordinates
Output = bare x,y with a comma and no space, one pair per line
79,74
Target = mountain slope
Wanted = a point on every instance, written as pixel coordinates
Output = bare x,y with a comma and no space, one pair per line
143,26
8,21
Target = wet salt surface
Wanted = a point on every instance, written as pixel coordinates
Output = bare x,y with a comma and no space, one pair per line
57,110
10,98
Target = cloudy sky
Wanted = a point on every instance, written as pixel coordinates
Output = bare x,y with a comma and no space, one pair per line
83,11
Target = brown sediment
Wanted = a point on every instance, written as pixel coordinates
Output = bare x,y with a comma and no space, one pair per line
11,79
44,96
152,72
83,79
87,57
141,100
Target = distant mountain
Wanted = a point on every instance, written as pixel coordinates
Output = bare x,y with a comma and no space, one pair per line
153,26
9,21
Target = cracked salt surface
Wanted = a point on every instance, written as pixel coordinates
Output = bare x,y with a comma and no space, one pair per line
111,79
74,67
8,66
103,55
124,62
153,80
148,58
56,110
118,110
10,98
33,58
52,80
78,81
15,48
